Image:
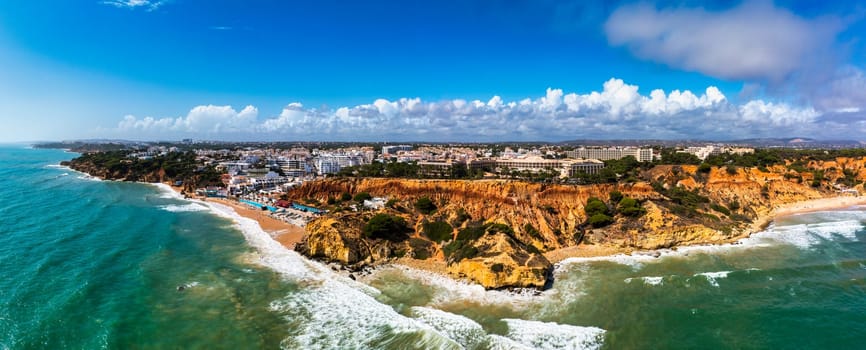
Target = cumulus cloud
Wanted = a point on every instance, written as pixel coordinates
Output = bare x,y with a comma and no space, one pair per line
754,41
208,120
149,5
619,110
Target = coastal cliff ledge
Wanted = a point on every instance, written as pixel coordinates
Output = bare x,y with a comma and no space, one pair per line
495,232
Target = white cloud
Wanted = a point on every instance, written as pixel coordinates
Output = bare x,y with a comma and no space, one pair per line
619,110
210,120
149,5
753,41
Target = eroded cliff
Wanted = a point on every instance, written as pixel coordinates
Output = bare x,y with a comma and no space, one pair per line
496,230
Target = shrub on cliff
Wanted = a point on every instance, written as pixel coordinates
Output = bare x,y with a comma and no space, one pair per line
421,249
385,226
471,233
458,250
600,220
438,231
391,203
630,207
360,197
461,217
424,205
615,196
532,231
595,206
345,196
721,209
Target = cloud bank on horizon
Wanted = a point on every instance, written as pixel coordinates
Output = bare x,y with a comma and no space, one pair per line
755,42
619,110
438,71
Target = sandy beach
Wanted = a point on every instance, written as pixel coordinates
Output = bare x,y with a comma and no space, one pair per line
820,204
287,234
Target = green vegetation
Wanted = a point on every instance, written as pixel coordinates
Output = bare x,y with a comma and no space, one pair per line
597,212
471,233
721,209
462,216
391,203
345,196
684,202
817,177
385,226
681,195
438,231
760,158
461,248
174,166
630,207
424,205
360,197
412,170
734,206
615,196
600,220
672,157
532,231
421,249
595,206
626,169
458,250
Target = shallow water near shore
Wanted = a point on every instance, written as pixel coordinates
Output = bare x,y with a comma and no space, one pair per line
97,264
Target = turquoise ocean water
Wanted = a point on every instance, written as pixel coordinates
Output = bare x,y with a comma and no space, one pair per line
87,264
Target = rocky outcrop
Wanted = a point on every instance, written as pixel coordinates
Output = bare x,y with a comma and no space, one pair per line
503,262
681,205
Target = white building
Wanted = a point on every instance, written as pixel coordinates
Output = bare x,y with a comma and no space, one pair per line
608,153
394,149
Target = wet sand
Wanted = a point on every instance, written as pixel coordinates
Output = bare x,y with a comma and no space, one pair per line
287,234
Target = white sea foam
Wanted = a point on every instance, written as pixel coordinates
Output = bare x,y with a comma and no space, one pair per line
330,311
166,191
635,261
179,208
713,277
88,177
648,280
549,335
498,342
332,315
448,289
845,225
806,236
463,330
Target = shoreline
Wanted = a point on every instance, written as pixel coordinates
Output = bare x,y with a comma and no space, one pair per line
284,233
761,223
287,235
610,252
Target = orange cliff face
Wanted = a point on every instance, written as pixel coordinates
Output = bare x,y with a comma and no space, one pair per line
681,206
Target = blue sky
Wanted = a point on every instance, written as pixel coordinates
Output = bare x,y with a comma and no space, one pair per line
430,70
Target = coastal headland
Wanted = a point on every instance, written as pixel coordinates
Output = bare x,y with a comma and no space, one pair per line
502,233
508,233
